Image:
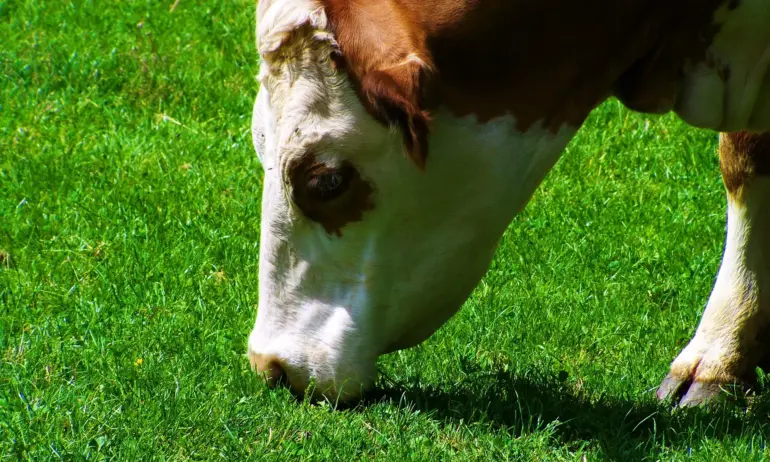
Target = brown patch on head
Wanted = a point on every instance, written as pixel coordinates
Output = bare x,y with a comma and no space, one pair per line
541,61
742,156
391,98
386,58
330,196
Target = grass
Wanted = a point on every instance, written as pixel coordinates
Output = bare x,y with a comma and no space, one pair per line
129,219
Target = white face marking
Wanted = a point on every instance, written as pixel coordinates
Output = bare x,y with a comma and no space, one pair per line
330,305
731,91
735,316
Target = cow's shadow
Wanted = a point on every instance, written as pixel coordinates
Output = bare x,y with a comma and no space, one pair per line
625,429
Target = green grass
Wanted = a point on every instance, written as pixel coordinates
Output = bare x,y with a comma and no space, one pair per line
129,206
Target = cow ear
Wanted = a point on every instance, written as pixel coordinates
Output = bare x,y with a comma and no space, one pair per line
393,96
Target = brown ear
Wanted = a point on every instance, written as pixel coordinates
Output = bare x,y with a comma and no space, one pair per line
386,57
393,96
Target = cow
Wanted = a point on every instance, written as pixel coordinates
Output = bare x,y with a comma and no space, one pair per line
399,138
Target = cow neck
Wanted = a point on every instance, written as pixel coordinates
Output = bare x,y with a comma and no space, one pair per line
547,62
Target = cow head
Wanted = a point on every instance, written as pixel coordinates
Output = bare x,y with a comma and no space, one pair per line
364,250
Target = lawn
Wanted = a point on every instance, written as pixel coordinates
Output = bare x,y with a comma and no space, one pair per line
129,229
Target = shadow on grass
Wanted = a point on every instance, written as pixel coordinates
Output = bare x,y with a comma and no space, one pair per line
625,429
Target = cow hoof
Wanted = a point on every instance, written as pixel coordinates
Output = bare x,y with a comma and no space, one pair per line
688,390
688,393
699,375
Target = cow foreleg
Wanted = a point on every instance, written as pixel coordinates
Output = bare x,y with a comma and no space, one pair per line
733,337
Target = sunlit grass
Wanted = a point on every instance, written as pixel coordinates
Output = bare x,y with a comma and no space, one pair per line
129,229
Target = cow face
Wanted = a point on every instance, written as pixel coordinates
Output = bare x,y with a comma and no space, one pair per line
362,252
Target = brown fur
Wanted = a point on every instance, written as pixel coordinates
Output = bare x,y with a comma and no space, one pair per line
742,156
550,61
377,41
334,211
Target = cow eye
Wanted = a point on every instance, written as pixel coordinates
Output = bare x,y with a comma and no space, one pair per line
331,195
327,184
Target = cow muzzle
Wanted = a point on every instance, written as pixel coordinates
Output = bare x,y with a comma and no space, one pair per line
317,374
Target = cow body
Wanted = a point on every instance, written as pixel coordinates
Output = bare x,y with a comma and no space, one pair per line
365,250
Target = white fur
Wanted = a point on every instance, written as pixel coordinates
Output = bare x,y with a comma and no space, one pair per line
725,340
329,306
742,47
276,22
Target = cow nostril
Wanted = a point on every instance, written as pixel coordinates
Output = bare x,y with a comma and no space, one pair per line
275,374
270,368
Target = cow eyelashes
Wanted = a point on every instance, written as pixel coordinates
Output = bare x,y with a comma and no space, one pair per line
329,183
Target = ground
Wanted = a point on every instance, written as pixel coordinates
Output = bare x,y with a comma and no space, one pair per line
129,239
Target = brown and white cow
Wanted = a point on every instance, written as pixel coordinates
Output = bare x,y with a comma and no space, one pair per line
400,137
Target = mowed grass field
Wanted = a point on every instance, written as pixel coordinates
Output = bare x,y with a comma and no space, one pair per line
129,225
